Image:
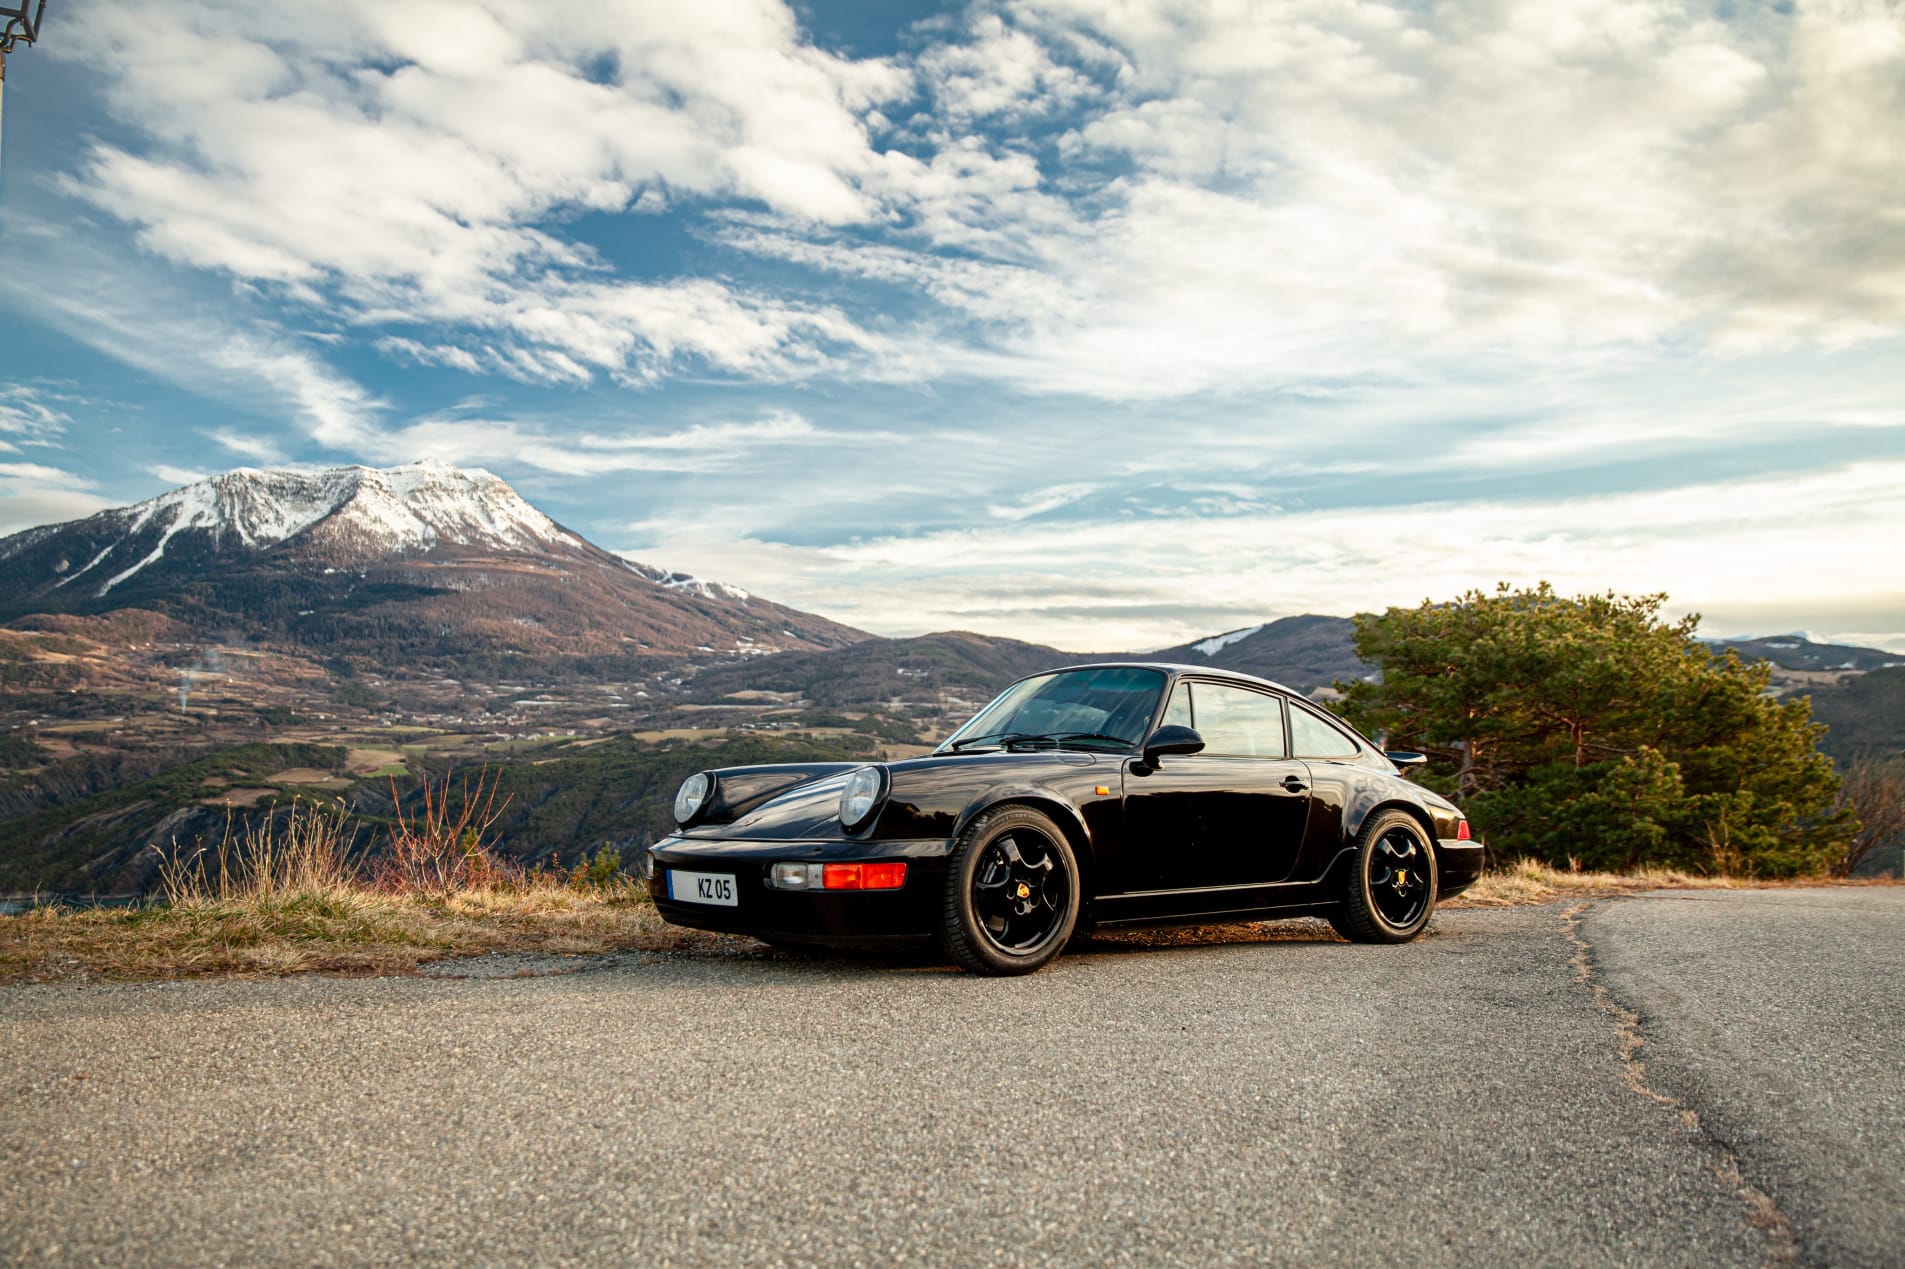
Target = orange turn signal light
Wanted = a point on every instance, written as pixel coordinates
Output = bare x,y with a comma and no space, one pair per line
880,876
1102,791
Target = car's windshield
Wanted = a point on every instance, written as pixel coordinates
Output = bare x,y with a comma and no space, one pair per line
1104,707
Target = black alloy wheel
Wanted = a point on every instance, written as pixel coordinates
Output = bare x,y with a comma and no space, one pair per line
1392,892
1011,893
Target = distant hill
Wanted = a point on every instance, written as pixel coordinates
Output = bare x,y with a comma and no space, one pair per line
1309,653
424,562
1863,713
1306,653
955,669
945,668
1796,652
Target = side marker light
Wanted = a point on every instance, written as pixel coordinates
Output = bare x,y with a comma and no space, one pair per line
1102,791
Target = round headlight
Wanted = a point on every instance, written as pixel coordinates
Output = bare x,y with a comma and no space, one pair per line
861,796
692,796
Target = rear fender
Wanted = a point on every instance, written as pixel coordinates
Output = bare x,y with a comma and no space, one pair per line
1355,816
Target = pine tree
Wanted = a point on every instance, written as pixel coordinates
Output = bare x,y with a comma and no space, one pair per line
1588,730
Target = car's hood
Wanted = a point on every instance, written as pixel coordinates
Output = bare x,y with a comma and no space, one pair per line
805,802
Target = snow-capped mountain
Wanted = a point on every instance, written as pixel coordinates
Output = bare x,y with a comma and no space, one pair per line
421,556
352,511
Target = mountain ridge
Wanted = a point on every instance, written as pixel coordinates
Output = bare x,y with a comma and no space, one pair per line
369,561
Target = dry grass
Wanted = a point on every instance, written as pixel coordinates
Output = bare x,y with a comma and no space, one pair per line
1527,882
351,931
288,895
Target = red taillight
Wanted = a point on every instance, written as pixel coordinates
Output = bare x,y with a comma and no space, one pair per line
882,876
1461,830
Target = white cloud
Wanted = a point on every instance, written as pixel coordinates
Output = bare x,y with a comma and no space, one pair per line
30,415
1533,176
399,157
36,493
1107,582
45,475
178,475
1290,193
1248,196
256,448
997,69
1038,504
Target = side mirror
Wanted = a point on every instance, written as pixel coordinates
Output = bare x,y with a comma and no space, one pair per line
1405,758
1171,738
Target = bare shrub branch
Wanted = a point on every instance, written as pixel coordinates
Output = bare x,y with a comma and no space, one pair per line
440,851
1873,789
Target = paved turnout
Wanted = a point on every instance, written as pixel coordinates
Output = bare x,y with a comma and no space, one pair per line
1288,1099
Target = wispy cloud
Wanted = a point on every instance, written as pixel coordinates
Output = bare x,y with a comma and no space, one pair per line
30,415
256,448
1108,581
36,493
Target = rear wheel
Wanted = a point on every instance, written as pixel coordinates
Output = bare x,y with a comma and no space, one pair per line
1392,892
1011,893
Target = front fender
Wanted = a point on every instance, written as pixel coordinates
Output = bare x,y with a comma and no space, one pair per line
1046,799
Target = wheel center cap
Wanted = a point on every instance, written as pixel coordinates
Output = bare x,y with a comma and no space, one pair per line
1024,891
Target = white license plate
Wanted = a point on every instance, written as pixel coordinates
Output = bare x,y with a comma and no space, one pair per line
702,887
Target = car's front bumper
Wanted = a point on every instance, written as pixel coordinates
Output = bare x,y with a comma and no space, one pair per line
837,918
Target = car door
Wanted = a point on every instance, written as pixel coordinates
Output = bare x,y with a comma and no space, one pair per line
1233,815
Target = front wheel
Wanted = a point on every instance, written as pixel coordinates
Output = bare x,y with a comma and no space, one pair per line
1392,892
1011,893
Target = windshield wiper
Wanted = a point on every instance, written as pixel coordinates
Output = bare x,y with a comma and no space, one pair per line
1006,740
1001,739
1062,737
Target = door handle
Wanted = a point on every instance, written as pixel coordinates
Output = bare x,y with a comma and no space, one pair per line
1294,784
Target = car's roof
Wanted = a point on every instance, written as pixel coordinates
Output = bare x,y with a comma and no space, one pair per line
1178,668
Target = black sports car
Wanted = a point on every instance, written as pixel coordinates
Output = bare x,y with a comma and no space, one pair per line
1090,797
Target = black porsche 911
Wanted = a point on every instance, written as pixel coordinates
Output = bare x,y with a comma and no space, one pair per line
1086,798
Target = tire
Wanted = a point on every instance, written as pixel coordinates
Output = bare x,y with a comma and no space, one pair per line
1393,890
1012,896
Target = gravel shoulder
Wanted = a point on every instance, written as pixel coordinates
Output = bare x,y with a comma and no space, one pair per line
1274,1095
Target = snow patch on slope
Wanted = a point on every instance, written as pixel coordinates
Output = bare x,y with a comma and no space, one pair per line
1217,643
687,582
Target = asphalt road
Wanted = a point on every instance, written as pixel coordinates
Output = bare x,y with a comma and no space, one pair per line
1461,1100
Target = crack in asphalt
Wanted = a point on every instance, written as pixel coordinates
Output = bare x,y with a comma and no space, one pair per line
1762,1211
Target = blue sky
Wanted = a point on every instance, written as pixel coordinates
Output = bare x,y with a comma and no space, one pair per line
1098,324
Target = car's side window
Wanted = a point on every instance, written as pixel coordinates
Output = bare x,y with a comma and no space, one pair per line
1238,723
1315,738
1179,713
